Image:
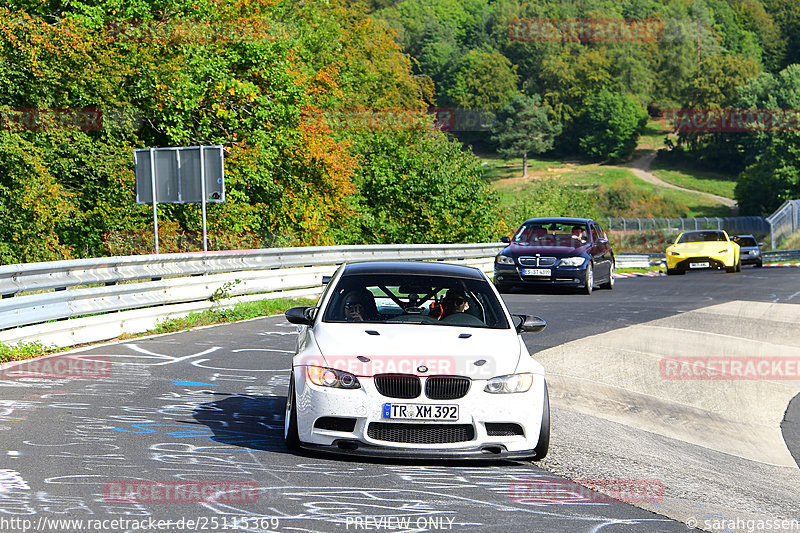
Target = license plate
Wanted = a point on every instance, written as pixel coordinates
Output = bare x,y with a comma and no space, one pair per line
699,265
536,272
413,411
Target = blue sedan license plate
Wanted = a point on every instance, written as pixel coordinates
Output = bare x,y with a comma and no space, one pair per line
413,411
536,272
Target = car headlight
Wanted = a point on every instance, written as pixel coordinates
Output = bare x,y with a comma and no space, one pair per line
673,252
510,383
572,261
756,252
328,377
723,251
504,260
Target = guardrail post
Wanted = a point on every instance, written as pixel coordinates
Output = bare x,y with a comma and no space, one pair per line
624,224
719,223
639,221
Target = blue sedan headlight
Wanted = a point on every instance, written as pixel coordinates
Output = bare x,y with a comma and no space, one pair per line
504,260
572,261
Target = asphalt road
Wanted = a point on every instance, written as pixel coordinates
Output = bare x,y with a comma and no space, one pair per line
206,407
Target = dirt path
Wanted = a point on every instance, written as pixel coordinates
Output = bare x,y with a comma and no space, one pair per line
641,167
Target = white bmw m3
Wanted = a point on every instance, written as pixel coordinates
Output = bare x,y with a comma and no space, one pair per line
413,359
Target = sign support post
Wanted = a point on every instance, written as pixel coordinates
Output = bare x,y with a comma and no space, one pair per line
203,194
155,205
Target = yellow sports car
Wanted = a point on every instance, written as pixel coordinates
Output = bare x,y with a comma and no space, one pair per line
694,250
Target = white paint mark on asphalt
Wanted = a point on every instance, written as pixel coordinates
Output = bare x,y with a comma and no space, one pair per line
163,359
261,350
200,365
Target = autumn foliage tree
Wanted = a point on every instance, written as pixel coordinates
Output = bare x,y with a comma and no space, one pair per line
268,80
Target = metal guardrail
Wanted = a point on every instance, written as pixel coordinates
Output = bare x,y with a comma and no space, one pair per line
36,294
630,260
28,277
781,255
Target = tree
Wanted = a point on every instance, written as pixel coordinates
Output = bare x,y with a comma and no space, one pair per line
419,187
522,127
612,124
482,79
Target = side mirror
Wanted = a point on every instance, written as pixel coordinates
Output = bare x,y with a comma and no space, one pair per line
530,324
668,241
326,279
505,239
301,315
760,244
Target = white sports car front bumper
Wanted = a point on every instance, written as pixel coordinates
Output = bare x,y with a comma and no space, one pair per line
352,421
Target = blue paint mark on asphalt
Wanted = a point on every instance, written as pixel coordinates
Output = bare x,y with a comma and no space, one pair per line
194,383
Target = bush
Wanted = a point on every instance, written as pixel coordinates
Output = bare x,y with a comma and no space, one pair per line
622,199
550,198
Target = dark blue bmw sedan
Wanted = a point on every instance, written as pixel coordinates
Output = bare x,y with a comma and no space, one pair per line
573,252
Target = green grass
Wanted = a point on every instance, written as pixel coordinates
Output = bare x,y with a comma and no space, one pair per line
791,243
688,178
497,168
653,136
638,270
240,311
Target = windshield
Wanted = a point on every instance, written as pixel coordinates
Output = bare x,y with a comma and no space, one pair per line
746,241
552,234
415,299
701,236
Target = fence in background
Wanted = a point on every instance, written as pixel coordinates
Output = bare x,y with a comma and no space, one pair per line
785,221
758,226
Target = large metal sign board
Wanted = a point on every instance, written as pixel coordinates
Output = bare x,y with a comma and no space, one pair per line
179,175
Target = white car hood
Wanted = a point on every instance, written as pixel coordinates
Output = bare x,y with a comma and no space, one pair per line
422,350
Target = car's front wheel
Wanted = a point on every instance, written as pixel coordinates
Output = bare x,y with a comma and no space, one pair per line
589,280
610,283
544,432
290,433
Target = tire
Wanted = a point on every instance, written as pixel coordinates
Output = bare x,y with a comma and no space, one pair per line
675,272
589,285
544,432
610,283
738,265
759,264
290,433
